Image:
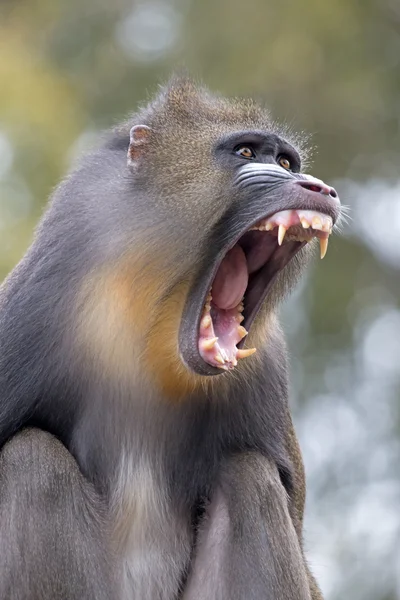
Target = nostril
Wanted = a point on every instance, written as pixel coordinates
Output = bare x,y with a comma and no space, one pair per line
317,186
314,188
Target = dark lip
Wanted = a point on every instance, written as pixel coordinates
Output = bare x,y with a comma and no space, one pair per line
190,322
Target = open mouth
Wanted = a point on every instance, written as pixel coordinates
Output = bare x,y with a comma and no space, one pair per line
244,277
248,250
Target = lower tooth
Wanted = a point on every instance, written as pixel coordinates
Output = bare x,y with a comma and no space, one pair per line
219,359
206,321
209,344
242,332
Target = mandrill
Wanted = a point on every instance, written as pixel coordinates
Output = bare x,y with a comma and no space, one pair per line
148,451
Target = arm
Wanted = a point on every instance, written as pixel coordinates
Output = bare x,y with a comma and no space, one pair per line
247,547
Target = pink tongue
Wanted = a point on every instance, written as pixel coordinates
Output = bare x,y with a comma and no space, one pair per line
231,280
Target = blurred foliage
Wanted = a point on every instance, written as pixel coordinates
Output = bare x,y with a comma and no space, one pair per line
70,68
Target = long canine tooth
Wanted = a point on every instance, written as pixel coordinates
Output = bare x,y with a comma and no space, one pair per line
242,332
245,353
281,234
323,244
209,344
206,321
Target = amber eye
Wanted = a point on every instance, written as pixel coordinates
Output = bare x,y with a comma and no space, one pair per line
245,151
284,162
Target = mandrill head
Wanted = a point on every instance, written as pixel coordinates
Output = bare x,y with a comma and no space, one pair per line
187,227
234,221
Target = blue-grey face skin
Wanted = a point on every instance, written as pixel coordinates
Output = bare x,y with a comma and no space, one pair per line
260,188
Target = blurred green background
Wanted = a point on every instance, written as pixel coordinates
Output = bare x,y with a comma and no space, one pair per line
69,68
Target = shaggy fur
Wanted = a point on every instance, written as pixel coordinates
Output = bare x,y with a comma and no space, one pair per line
138,479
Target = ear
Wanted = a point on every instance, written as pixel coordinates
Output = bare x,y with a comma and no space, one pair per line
139,138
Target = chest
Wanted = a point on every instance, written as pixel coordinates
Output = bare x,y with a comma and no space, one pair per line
153,539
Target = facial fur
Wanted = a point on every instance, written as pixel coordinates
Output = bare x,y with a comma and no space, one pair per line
148,271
